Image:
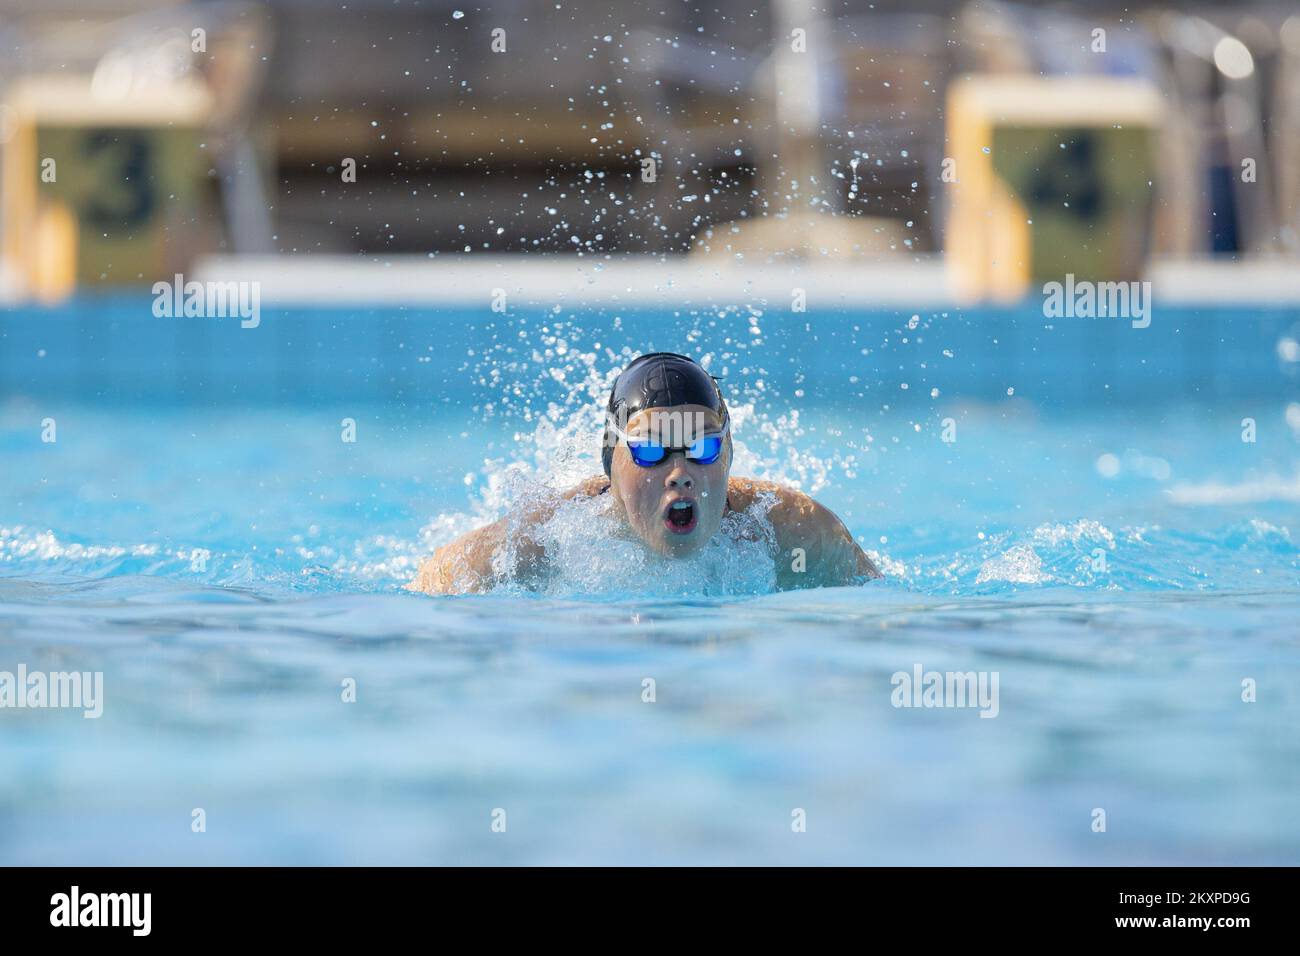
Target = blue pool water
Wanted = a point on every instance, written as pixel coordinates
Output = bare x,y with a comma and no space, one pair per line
1098,534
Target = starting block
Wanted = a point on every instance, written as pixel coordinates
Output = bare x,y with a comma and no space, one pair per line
1048,177
100,188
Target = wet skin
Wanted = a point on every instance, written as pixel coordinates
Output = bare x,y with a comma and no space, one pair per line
674,507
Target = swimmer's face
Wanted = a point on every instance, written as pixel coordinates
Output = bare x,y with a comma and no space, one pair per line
676,505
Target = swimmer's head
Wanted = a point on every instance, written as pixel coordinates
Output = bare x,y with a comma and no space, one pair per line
667,451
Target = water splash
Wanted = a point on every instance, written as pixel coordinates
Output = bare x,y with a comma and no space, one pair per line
556,446
1017,565
591,552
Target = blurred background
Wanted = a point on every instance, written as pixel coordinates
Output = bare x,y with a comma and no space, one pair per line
1011,141
220,516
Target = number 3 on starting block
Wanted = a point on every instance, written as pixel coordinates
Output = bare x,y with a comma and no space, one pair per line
100,190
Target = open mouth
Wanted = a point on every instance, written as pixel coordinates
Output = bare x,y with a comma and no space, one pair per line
681,517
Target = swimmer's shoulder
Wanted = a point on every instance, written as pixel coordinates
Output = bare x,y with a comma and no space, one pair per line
801,521
786,502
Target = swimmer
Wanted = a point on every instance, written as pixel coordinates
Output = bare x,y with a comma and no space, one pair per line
667,457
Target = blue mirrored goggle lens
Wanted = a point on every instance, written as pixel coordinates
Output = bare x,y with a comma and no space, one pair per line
705,451
647,455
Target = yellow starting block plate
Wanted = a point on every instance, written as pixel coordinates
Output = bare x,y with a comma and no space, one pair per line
100,188
1049,177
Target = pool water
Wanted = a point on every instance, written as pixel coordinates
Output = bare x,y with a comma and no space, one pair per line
1094,530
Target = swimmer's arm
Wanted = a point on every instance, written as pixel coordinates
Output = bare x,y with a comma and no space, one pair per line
465,566
830,556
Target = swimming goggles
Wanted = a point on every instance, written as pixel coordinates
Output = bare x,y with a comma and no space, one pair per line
702,451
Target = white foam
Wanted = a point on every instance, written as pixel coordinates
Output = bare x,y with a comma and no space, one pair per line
1251,491
18,543
1082,531
590,551
1017,565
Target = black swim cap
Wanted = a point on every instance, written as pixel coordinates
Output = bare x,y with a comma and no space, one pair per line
657,380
